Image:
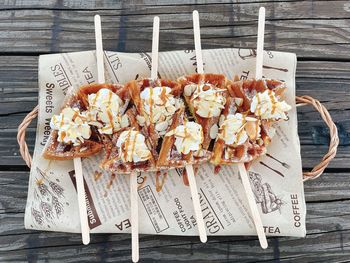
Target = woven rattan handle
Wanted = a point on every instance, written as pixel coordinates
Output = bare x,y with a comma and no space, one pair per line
333,134
301,101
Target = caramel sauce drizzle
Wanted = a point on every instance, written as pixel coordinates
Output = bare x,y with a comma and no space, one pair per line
110,117
160,183
95,99
62,122
109,112
258,108
273,101
239,132
97,175
110,183
151,105
163,95
63,135
127,144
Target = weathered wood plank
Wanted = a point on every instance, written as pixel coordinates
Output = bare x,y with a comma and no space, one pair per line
312,29
44,246
313,32
113,5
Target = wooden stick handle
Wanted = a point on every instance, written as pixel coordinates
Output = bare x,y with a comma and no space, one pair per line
134,218
196,204
99,50
85,230
260,44
253,206
197,42
155,47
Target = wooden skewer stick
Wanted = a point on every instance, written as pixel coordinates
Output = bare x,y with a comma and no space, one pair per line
252,205
85,230
155,47
99,51
197,42
242,170
260,44
133,176
189,168
196,204
134,218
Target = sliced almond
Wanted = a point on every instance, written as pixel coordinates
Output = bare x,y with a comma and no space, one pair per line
252,130
82,149
251,119
140,120
161,126
156,116
189,89
238,101
213,131
221,120
124,121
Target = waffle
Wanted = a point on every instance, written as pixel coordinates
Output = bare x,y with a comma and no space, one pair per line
55,150
247,89
112,161
219,82
118,89
239,100
169,157
135,89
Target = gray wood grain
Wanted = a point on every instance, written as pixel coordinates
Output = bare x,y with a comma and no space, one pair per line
318,31
328,224
127,27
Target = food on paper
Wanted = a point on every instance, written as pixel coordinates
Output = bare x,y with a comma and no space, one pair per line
153,132
156,102
205,96
106,105
71,135
128,149
182,144
251,109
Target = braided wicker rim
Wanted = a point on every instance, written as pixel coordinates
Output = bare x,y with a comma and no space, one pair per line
301,101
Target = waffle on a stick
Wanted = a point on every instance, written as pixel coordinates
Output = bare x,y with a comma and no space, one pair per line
205,96
71,136
182,144
156,101
129,149
245,125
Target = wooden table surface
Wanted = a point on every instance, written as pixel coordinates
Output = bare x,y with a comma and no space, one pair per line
317,31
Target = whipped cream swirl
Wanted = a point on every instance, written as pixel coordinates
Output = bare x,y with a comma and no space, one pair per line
132,147
207,100
237,129
105,111
188,137
267,106
71,125
159,105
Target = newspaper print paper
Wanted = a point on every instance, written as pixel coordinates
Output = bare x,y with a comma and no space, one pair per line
276,178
